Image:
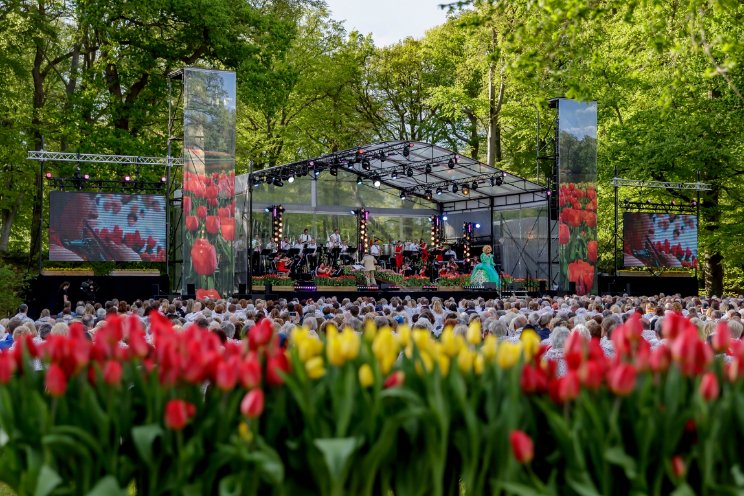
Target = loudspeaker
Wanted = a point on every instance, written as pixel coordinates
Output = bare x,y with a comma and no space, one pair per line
242,288
490,285
267,288
305,278
572,287
191,290
627,288
543,286
155,288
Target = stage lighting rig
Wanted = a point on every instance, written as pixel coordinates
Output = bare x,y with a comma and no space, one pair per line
381,156
409,172
406,150
402,195
377,181
427,194
439,191
474,186
451,163
465,189
394,175
360,180
454,187
366,165
428,168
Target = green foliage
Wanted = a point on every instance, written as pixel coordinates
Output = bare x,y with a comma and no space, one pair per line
13,282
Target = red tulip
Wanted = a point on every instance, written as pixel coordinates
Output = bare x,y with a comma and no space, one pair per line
564,233
660,359
192,223
571,216
56,382
591,251
178,413
260,334
186,203
226,375
275,365
227,227
678,466
568,387
590,219
250,372
7,367
252,405
582,273
212,224
211,192
621,379
709,388
112,373
533,380
201,212
574,350
522,446
691,353
591,374
394,380
722,337
203,257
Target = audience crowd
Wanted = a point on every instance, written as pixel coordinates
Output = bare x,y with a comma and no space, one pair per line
552,318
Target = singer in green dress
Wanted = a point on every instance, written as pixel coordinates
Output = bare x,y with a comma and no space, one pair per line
484,271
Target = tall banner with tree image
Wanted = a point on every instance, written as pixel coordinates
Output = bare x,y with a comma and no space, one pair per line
577,197
209,181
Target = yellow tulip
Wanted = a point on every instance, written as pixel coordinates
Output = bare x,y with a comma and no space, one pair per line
444,364
315,368
331,330
370,329
490,346
309,347
531,342
465,360
508,354
404,335
334,351
350,344
426,360
422,338
245,432
478,364
474,332
449,343
385,348
366,376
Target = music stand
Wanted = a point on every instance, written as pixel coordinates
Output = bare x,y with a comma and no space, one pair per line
293,252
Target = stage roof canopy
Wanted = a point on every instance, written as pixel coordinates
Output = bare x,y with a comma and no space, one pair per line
416,169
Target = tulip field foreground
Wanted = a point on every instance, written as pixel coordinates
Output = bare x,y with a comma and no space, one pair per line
372,414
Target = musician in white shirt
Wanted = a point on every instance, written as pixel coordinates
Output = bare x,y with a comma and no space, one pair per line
374,250
450,253
304,237
285,244
334,240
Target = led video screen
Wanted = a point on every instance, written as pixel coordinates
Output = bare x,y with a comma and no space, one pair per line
660,240
106,227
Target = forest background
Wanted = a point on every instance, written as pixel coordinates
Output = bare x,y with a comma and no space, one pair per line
92,76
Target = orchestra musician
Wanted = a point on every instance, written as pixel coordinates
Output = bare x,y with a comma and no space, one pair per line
282,265
323,270
285,245
424,251
334,245
305,237
374,250
450,253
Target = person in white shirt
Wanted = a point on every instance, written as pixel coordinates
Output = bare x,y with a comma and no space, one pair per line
450,253
305,237
334,240
374,250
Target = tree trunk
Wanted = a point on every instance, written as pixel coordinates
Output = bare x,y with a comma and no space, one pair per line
714,274
495,101
38,104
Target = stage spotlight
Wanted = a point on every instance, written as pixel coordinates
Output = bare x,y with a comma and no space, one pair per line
359,180
626,201
428,168
366,164
278,182
498,180
359,154
350,164
693,203
353,212
406,150
49,175
394,175
477,226
127,179
439,191
444,217
267,210
402,195
451,163
316,172
333,170
454,188
465,190
474,186
311,163
427,194
291,179
409,172
381,156
377,181
162,178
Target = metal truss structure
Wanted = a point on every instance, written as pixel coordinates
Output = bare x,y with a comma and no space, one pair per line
99,158
674,185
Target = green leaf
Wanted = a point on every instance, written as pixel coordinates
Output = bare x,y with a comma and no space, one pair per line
683,490
108,486
144,436
230,486
47,481
518,489
580,482
738,475
617,456
336,454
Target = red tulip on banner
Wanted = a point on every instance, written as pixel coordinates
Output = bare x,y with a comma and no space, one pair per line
187,205
564,234
203,257
591,251
192,223
212,294
201,211
212,224
582,273
227,227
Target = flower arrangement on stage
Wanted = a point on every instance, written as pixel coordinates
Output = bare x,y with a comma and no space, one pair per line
367,414
340,281
416,281
208,204
454,281
389,276
577,235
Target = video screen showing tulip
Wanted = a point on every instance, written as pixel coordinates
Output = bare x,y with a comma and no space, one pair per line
660,240
106,227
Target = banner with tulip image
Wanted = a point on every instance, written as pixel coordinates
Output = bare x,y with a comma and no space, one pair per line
577,195
209,180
